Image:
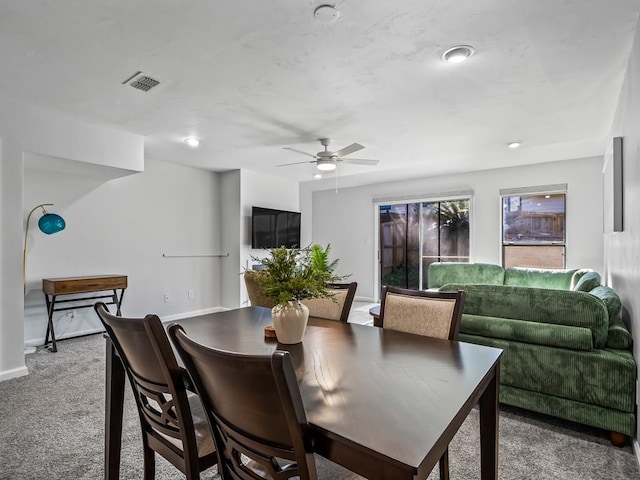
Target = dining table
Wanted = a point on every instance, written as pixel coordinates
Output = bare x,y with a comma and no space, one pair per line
381,403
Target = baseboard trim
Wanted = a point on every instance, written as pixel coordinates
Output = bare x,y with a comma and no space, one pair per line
636,450
195,313
38,342
13,373
364,299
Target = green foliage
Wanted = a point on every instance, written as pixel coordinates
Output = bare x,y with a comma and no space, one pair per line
291,276
453,214
400,278
320,258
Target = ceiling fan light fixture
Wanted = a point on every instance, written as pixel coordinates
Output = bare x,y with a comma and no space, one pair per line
326,165
458,54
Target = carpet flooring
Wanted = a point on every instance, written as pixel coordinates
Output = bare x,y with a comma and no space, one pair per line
53,425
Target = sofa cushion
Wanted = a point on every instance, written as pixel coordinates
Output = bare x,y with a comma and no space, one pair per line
551,335
590,414
577,275
539,278
610,298
541,305
588,282
441,273
600,377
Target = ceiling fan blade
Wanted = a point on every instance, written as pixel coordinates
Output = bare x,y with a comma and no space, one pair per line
295,163
354,147
300,152
359,161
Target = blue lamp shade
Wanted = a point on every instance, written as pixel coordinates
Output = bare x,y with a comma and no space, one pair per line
51,223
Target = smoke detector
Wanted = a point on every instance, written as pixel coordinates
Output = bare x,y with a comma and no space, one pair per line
142,81
326,14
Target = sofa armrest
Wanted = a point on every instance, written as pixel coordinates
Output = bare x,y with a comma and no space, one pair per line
558,307
618,336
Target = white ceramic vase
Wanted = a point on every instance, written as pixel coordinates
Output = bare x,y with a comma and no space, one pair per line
290,321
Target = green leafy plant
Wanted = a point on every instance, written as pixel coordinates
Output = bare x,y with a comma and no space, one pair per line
290,275
320,258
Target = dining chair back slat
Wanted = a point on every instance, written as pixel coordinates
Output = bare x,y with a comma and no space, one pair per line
255,409
431,314
171,418
335,307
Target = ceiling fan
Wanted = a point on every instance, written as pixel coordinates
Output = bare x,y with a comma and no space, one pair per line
327,161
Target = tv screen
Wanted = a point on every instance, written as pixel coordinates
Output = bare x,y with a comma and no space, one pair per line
274,228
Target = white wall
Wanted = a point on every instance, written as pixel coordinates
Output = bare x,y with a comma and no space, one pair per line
261,191
230,233
119,222
124,226
622,250
240,191
346,219
24,129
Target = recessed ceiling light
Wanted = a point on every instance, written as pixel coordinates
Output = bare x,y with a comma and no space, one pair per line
513,144
458,54
317,175
192,141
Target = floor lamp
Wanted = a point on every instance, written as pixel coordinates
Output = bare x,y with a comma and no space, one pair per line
49,223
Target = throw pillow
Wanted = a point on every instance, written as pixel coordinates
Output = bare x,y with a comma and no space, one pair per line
588,282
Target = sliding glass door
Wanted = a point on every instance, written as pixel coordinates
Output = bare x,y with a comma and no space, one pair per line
414,235
400,245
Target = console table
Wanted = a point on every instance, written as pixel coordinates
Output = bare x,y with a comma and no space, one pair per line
55,287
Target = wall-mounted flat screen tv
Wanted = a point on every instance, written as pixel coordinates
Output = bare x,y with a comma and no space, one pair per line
274,228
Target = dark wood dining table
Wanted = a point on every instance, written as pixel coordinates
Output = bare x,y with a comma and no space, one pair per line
382,403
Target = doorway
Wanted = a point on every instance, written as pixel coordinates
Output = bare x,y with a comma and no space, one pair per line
414,235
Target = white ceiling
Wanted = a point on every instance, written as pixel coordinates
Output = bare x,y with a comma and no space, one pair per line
251,77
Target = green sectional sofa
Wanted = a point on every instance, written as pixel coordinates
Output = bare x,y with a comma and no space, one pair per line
567,352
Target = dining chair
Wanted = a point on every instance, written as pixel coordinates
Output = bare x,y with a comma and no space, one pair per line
172,419
431,314
255,410
254,290
336,307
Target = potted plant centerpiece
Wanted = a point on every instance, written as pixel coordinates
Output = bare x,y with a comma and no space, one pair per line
288,277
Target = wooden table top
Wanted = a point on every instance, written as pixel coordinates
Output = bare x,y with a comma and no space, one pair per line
89,283
388,394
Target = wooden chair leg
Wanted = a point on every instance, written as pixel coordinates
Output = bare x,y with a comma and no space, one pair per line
149,460
444,465
618,439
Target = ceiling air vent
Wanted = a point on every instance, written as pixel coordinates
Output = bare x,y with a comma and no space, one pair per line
142,81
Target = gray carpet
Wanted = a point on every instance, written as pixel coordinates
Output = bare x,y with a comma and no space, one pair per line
52,427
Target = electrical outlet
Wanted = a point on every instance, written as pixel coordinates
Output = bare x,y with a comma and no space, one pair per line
167,298
191,294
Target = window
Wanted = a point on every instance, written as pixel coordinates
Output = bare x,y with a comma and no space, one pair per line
414,235
533,227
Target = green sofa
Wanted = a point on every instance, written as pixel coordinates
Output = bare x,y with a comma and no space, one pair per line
567,352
